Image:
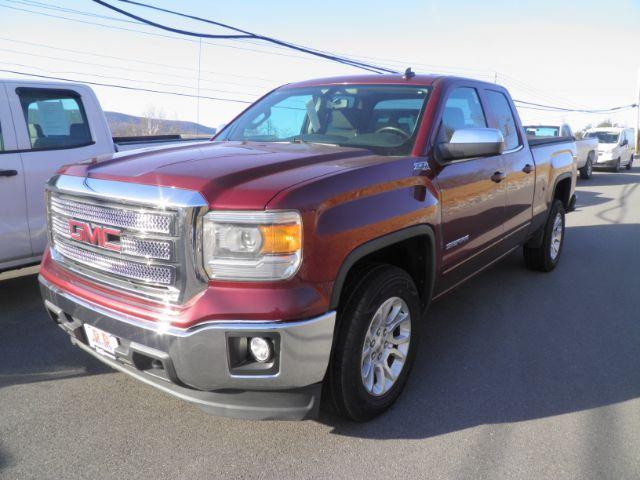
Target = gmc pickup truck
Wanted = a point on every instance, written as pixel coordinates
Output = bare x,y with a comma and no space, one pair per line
293,258
44,125
587,147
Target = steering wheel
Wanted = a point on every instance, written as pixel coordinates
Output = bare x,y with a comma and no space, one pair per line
396,130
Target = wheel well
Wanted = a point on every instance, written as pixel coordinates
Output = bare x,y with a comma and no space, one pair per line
415,255
563,192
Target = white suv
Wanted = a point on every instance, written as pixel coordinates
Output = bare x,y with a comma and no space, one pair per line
615,149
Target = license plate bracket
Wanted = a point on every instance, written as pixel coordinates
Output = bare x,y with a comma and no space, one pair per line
101,341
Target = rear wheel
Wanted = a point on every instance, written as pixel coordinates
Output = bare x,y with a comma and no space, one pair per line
587,170
630,164
375,344
546,256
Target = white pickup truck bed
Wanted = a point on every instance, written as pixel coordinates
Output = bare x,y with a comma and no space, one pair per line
586,148
44,125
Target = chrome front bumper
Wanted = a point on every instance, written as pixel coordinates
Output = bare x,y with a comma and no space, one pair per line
196,364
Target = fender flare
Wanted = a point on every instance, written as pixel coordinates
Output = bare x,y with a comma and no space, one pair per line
559,178
382,242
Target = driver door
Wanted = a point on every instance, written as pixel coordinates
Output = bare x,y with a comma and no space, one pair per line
472,200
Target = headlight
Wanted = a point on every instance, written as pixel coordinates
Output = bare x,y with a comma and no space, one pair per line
252,246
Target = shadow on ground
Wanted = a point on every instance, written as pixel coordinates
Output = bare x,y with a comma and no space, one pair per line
32,348
604,177
514,345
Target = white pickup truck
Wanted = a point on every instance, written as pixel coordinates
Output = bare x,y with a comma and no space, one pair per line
587,147
44,125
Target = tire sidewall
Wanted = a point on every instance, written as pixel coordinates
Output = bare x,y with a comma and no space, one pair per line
556,208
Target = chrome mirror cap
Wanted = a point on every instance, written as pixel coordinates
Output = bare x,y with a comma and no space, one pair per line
471,143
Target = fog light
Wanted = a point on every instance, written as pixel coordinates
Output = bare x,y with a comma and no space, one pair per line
261,349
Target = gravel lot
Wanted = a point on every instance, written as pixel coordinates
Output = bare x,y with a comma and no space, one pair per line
519,375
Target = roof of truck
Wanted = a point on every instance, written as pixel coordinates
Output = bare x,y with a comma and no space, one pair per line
419,80
385,79
39,83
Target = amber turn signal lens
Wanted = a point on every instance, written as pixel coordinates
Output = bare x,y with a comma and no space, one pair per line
281,238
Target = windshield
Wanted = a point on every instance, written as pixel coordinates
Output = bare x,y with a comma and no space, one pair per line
382,118
543,131
604,137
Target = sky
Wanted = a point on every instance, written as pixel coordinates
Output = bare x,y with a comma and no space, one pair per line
572,54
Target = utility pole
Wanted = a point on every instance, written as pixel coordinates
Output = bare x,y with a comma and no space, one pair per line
198,88
638,118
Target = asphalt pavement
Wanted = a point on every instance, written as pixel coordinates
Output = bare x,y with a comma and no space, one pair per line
520,375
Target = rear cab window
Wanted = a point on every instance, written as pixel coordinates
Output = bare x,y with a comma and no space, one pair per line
55,118
461,110
505,121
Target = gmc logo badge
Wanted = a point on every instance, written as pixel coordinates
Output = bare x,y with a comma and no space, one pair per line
104,237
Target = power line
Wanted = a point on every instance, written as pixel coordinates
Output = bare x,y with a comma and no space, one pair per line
64,72
531,105
155,34
167,28
123,87
552,108
242,34
32,3
136,60
80,62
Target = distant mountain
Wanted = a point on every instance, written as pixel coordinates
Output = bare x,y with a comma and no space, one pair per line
122,124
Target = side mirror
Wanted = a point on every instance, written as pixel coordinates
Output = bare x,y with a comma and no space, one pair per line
471,143
624,143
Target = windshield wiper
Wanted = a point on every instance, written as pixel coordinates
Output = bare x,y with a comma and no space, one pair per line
308,142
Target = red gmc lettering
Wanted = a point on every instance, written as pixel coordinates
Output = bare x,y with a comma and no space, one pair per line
100,236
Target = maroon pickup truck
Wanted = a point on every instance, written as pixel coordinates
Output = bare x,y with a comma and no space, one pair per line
293,258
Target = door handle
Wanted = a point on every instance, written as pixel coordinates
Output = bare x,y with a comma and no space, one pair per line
498,177
8,173
527,168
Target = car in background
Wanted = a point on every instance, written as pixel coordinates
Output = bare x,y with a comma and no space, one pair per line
587,147
616,147
44,125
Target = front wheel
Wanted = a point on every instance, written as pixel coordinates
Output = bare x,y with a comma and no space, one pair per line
587,170
375,344
616,167
546,256
630,164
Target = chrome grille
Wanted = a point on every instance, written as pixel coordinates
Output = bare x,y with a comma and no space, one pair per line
137,238
115,217
152,274
146,248
135,247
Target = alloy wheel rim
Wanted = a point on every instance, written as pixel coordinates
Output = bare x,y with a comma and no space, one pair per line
385,347
589,168
556,236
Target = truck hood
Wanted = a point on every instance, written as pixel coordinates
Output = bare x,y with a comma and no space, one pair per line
230,175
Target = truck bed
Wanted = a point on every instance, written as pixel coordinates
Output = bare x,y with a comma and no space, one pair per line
538,141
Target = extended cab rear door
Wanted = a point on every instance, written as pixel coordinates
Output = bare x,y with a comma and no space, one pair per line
54,126
518,163
472,204
14,231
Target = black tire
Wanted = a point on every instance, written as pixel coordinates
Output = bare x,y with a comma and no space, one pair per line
616,167
344,385
587,170
541,258
630,164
